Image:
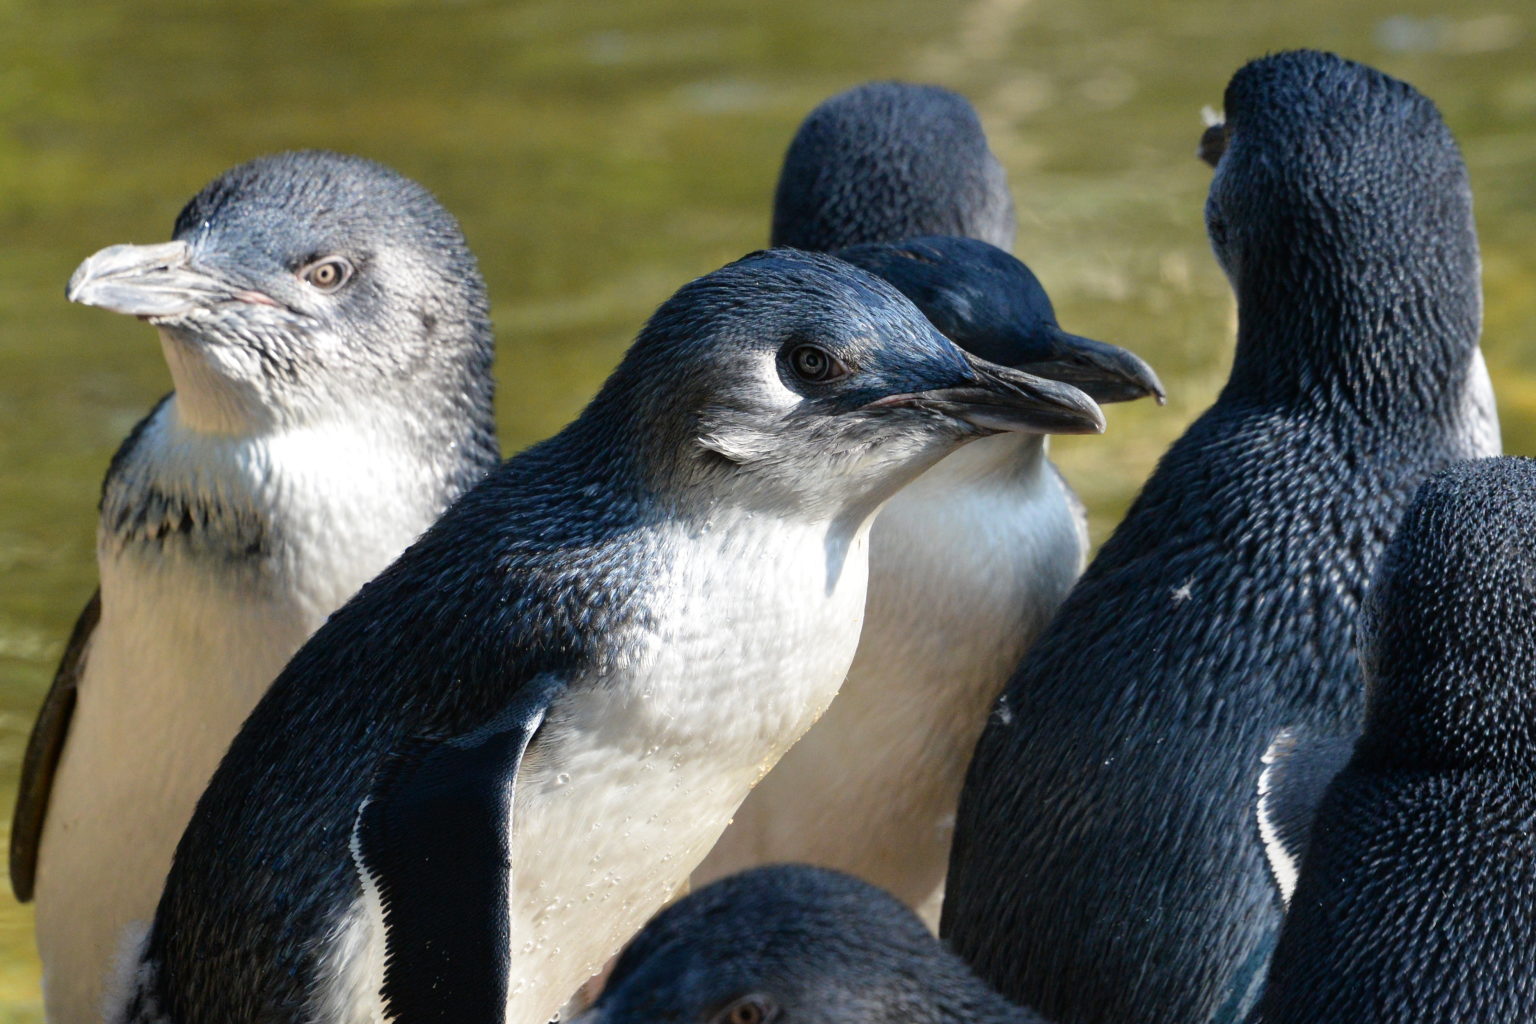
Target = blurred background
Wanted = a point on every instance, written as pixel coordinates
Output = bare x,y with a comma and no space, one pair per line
601,153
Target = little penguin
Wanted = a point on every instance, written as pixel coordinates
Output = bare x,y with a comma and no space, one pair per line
487,769
794,944
969,562
327,334
1417,900
1105,865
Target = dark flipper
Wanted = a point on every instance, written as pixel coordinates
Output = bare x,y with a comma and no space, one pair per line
435,838
1298,769
44,748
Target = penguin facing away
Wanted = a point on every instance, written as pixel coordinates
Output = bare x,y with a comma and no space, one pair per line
966,564
794,944
488,768
326,329
1417,899
1105,865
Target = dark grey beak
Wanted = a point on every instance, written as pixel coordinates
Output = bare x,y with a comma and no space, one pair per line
1107,372
999,399
152,281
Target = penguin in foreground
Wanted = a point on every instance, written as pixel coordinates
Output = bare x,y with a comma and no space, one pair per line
1417,900
969,562
1106,867
794,944
491,766
326,330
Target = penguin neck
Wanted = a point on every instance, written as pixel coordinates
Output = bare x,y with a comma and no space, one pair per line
444,414
310,512
1388,344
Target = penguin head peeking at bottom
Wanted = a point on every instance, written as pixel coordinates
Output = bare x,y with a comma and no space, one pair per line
800,395
794,944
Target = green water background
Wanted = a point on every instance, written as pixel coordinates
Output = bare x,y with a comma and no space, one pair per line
599,154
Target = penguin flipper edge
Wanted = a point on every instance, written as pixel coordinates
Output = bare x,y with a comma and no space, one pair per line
44,748
434,840
1298,766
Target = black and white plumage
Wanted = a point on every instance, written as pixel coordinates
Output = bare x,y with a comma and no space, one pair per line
968,563
1417,899
794,944
486,770
326,330
1106,866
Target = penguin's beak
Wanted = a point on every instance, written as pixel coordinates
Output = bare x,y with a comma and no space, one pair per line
999,398
1213,143
153,282
1106,372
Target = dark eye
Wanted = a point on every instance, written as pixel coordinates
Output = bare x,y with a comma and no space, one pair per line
327,274
753,1009
815,364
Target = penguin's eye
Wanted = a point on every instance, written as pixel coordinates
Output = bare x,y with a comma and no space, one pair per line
327,274
815,365
752,1009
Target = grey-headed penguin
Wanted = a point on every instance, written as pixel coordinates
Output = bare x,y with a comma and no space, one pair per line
969,562
794,944
1106,866
327,335
1416,902
484,772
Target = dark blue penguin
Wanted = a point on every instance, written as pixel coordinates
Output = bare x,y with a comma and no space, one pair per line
1106,867
1417,898
487,769
886,161
992,305
794,944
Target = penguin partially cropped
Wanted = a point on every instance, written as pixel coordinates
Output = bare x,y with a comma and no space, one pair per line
492,765
1106,867
969,562
326,330
794,944
1417,899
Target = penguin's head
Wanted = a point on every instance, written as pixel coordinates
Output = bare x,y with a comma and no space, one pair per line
305,286
1448,638
788,944
890,160
810,383
1333,179
993,306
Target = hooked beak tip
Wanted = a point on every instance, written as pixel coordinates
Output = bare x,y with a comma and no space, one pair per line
1108,373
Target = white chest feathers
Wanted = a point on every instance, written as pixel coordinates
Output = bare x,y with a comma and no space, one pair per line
219,556
637,769
967,565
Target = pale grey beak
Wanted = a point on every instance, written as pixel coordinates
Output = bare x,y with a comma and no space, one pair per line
152,281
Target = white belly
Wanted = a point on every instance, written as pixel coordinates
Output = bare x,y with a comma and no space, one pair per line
176,664
190,637
636,772
967,565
